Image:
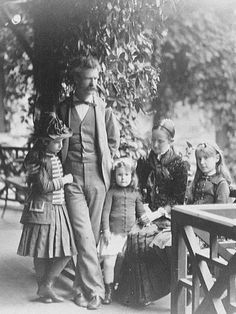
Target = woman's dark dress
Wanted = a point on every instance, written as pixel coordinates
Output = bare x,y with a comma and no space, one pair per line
145,272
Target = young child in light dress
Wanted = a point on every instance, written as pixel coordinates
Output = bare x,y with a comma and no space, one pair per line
122,207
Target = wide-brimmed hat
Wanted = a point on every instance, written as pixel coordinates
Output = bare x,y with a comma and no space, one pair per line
49,126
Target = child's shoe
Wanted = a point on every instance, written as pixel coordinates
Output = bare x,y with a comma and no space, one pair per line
45,300
108,294
46,292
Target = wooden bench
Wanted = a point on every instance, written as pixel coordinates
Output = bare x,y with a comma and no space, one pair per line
19,188
12,174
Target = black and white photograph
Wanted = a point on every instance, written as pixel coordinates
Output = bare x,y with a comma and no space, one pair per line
117,156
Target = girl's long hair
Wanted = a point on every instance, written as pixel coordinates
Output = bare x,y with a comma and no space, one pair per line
129,166
210,149
36,156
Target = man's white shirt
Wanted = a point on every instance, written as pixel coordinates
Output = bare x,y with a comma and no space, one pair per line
82,109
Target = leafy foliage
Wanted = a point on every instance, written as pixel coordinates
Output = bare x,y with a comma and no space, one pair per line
18,73
125,36
198,66
197,58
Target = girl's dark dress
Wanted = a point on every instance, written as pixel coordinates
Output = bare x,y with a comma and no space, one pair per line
145,272
212,189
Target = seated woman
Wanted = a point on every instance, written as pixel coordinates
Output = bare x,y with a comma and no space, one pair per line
145,273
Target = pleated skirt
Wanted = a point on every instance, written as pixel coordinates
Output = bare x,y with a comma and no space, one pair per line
145,271
48,241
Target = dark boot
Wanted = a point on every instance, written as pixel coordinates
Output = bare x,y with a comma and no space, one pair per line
54,268
40,266
108,293
46,292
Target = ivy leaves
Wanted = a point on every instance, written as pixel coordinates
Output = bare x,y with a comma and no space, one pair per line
125,36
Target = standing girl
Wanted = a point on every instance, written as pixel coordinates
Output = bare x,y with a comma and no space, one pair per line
121,208
47,234
211,181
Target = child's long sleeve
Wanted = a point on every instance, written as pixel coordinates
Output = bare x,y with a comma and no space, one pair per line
45,183
106,210
222,193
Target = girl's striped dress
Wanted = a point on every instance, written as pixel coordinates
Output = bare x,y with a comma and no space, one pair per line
54,239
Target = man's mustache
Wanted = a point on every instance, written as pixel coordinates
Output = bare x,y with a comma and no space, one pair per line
91,88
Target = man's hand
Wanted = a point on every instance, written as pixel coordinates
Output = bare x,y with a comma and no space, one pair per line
68,178
107,236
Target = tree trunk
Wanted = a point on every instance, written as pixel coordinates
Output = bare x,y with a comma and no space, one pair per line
46,48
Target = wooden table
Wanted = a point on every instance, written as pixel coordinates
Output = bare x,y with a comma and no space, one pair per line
213,274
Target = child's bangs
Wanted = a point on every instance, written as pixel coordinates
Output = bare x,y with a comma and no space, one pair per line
124,165
205,151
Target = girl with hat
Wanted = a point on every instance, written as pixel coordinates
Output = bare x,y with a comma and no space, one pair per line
146,270
47,234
